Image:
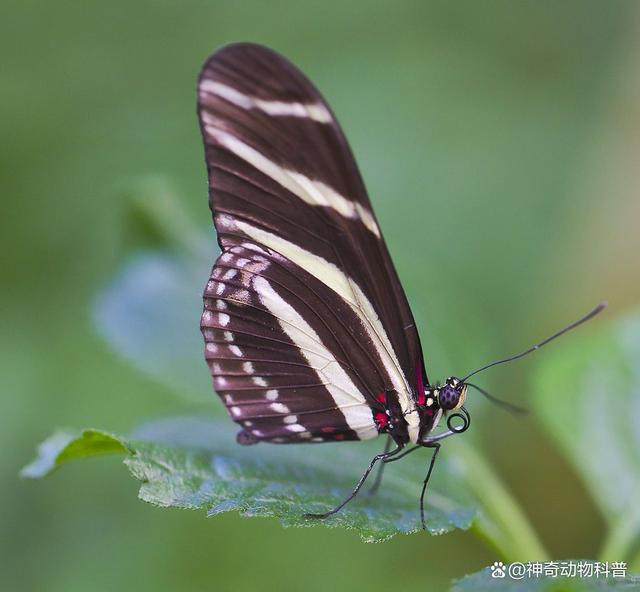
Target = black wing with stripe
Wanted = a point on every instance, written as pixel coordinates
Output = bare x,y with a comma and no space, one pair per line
306,325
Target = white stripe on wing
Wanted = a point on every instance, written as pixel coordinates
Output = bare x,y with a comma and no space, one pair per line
336,380
313,192
315,111
349,290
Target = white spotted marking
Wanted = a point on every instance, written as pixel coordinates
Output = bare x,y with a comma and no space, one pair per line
257,433
272,394
228,336
223,319
242,296
247,367
429,401
253,247
230,274
235,350
247,423
228,399
317,439
279,408
211,348
296,427
315,111
235,410
220,289
221,305
259,381
290,419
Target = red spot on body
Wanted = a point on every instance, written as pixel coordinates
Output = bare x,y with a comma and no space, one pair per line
382,398
381,420
428,412
339,437
328,430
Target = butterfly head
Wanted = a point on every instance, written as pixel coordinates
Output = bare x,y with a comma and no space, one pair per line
452,395
445,401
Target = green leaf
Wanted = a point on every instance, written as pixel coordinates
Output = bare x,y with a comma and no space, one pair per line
196,464
483,581
62,447
588,397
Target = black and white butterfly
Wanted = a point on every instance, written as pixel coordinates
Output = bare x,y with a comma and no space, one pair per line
308,332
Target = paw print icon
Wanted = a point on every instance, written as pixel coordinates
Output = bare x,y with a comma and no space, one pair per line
497,569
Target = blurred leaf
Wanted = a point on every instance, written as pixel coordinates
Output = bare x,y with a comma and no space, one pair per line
150,315
150,311
192,463
482,581
157,212
588,397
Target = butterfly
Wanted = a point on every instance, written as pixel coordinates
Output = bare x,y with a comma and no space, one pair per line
308,332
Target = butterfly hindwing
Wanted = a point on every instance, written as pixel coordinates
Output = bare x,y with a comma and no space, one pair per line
275,343
305,275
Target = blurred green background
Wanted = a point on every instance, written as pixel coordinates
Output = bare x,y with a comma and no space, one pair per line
499,142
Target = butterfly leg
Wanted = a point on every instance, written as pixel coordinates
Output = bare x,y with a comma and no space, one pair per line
436,449
405,453
383,457
376,483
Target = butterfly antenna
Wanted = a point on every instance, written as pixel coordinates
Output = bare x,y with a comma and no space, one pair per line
504,404
598,309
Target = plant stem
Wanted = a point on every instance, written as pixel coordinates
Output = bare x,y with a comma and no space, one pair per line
623,534
501,522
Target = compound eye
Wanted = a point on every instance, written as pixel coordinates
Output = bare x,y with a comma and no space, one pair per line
448,397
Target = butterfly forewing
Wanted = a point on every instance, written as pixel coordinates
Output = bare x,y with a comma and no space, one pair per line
306,324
